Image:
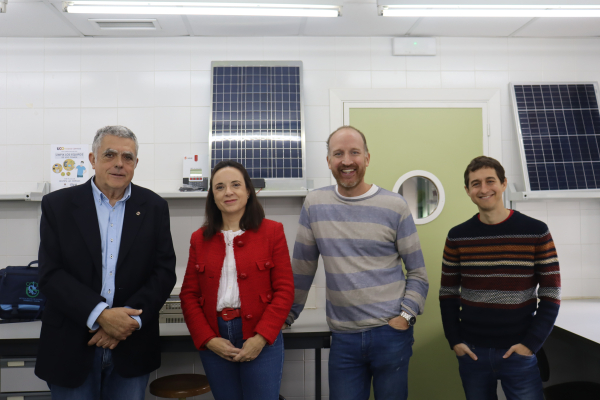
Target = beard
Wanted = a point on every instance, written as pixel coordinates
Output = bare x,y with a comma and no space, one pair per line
349,184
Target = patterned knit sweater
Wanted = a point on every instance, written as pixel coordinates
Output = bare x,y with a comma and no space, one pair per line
492,277
363,243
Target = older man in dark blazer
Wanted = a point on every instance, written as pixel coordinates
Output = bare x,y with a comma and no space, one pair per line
107,265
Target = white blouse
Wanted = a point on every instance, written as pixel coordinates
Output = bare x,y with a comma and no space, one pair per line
229,291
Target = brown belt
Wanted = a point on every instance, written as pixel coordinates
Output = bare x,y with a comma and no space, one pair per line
229,313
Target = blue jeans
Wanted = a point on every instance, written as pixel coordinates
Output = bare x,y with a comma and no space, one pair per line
259,379
103,383
519,375
381,353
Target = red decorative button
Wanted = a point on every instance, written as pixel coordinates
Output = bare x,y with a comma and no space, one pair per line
269,297
243,276
197,267
268,264
240,243
249,316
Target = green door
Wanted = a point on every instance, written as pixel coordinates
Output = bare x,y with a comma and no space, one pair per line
441,141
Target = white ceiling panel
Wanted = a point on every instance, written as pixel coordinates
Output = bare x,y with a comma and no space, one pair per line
563,27
170,25
32,19
468,26
246,26
358,19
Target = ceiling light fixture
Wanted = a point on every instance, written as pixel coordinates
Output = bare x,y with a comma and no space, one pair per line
496,11
201,8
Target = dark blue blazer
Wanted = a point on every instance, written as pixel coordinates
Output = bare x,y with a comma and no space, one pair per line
70,267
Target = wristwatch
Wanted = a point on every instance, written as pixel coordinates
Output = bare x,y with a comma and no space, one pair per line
409,318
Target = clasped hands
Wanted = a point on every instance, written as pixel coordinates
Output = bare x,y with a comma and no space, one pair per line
461,349
116,324
225,349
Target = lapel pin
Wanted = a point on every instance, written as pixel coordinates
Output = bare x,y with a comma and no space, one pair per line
137,213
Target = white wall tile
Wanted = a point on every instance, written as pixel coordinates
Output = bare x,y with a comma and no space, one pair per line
3,54
140,121
565,226
204,50
590,288
527,53
458,79
382,58
353,79
531,205
352,54
321,297
99,89
244,48
200,88
281,48
99,54
172,125
316,86
93,119
172,88
2,128
457,54
321,182
571,288
590,254
136,89
62,54
62,89
3,167
316,123
508,124
388,79
26,126
317,53
15,230
525,76
590,227
168,185
292,379
539,215
589,204
423,79
423,63
3,90
24,163
199,124
172,53
24,54
560,76
316,160
494,80
145,168
491,54
168,162
309,378
135,54
62,125
20,187
569,256
24,90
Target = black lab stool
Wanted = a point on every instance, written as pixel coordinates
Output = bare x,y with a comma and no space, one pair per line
180,386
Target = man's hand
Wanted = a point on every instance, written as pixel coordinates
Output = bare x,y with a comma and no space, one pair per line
117,322
285,326
461,349
103,339
400,323
251,348
519,349
223,348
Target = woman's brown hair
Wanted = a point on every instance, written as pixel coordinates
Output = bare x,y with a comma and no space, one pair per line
254,214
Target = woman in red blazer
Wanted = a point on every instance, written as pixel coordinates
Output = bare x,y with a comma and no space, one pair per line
238,290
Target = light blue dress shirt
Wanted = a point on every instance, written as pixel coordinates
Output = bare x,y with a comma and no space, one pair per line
110,220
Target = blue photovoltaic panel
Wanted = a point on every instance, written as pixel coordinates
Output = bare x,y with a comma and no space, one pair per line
560,127
256,119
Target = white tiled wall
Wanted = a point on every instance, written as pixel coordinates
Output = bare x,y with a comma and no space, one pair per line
62,90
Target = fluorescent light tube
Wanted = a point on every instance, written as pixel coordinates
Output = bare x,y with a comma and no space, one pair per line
188,8
496,11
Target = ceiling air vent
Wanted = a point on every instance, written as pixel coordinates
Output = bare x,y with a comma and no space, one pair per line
125,24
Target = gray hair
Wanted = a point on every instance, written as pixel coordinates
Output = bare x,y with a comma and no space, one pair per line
114,130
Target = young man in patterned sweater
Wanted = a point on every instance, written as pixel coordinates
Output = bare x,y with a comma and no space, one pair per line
363,233
496,267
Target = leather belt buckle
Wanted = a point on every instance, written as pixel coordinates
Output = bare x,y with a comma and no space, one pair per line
229,313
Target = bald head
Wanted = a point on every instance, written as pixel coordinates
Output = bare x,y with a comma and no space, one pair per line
346,130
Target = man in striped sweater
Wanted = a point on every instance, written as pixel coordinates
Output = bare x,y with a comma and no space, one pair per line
363,233
496,267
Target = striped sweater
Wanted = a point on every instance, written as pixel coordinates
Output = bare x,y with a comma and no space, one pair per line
492,277
363,243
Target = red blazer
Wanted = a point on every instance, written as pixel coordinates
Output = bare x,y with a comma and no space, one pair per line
265,281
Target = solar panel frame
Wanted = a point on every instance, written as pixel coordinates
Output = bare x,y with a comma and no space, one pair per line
530,144
259,155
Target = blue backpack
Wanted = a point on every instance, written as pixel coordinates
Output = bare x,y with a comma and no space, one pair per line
20,296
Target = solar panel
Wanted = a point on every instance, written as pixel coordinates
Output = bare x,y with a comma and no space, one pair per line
559,129
257,118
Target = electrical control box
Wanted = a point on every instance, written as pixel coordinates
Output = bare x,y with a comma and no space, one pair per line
192,172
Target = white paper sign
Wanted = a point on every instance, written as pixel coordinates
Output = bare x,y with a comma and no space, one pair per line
70,165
